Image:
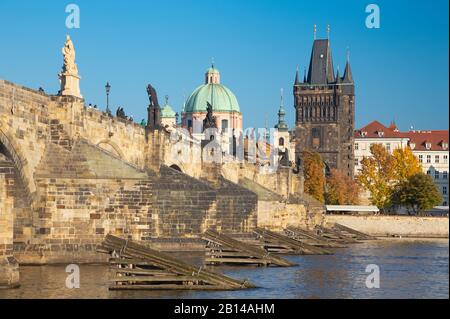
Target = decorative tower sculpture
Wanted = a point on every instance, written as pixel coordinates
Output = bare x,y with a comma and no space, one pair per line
69,78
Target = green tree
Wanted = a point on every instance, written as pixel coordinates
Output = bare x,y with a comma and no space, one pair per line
313,171
417,193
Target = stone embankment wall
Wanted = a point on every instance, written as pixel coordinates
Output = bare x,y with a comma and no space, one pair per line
388,226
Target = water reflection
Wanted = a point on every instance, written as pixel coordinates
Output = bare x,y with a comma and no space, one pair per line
409,269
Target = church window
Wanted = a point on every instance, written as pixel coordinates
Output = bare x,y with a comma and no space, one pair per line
281,141
224,125
189,123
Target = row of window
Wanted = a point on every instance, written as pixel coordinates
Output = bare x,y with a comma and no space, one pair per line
437,175
388,146
437,159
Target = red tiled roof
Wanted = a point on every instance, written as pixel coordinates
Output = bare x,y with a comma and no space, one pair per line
436,139
372,131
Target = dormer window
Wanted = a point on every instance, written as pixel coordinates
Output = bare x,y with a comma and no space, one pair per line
380,133
444,146
412,145
363,134
428,146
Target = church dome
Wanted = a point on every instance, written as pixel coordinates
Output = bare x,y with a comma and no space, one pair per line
218,95
167,112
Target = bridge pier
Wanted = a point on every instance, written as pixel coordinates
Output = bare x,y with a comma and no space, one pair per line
9,267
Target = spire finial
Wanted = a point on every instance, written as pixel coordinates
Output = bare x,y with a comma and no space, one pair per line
282,96
212,62
348,54
167,99
315,31
328,31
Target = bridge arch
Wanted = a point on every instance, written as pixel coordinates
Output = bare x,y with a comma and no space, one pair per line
12,152
111,147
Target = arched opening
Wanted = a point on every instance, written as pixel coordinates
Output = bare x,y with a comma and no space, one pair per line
281,142
16,190
176,167
111,147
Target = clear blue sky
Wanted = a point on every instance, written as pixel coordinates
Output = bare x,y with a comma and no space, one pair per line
401,69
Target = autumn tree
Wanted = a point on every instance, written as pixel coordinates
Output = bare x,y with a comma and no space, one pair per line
417,193
342,189
313,171
406,164
378,176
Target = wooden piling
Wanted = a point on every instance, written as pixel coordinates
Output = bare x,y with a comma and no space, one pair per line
222,249
138,267
282,244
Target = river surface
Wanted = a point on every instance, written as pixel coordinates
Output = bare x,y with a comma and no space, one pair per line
408,269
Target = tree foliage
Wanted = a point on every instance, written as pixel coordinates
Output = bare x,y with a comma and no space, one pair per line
406,164
342,189
313,170
417,193
378,176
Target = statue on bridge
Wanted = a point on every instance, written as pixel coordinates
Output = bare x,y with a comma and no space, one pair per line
210,120
70,80
153,110
68,51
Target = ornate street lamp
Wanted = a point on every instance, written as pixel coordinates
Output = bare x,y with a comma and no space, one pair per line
108,89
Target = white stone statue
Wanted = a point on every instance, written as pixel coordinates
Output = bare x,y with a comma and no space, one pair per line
69,78
68,52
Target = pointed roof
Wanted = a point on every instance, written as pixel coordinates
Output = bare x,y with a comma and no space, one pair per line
297,81
348,78
321,69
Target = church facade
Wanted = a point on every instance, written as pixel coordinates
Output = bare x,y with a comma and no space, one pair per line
325,110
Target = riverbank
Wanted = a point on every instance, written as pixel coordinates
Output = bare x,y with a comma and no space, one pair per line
395,226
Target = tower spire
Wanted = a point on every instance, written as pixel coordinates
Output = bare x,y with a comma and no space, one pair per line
297,80
315,31
281,126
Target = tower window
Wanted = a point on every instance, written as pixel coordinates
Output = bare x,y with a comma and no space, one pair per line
281,141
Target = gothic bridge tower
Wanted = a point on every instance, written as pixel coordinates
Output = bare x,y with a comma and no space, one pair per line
325,110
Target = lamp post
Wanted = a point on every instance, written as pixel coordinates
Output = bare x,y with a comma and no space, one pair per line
108,89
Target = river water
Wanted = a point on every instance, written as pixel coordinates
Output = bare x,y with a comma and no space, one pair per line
408,269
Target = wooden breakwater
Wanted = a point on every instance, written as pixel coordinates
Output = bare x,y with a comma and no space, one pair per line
138,267
222,249
281,244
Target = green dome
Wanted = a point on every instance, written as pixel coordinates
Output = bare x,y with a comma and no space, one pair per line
220,97
167,112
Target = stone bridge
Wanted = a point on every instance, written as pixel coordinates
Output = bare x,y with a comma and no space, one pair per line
70,174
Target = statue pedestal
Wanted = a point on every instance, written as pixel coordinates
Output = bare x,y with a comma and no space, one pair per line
70,85
9,272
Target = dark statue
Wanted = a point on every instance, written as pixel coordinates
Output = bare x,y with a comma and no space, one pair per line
153,110
210,120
